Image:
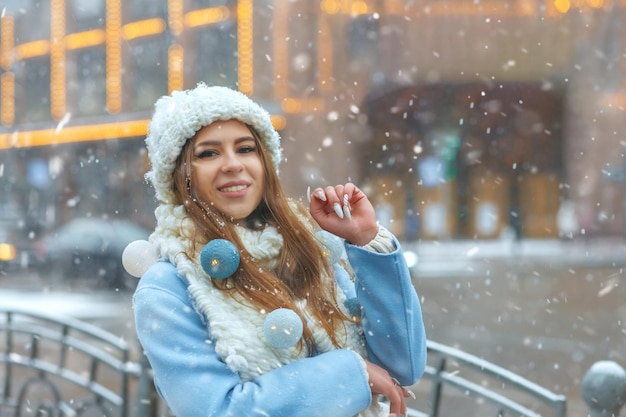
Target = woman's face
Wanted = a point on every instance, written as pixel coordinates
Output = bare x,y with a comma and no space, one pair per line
227,171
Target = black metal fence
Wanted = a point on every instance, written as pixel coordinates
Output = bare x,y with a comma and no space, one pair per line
57,366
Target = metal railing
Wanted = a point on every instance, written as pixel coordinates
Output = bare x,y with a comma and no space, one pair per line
57,366
471,383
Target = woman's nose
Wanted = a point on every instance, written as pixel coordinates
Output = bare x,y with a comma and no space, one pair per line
232,162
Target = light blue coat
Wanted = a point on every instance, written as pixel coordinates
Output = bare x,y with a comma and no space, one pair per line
195,382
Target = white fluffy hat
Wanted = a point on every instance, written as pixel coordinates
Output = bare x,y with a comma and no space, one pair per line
178,117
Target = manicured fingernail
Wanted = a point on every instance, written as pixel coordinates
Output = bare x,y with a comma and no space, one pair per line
320,194
346,207
308,193
338,210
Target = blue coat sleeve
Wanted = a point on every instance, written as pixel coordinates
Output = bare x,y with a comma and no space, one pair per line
391,312
195,382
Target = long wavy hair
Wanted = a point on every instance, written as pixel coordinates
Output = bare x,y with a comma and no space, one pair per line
302,262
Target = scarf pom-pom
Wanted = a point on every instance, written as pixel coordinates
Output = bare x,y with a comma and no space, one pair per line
219,258
138,256
354,308
283,328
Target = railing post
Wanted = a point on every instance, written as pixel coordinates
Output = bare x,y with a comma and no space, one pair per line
604,389
435,394
147,401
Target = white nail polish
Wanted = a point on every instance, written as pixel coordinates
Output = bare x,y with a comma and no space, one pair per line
338,210
345,200
308,193
346,211
320,194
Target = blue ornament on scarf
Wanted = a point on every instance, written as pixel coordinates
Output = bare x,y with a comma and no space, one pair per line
282,328
219,258
354,307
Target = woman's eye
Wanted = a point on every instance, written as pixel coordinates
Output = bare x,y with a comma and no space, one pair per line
247,149
206,154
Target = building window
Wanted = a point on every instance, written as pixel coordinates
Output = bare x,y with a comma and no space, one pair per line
32,90
145,76
86,91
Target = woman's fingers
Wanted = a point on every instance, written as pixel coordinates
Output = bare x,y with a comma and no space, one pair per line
337,199
330,200
382,383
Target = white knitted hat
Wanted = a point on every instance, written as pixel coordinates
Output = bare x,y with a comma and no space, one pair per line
178,117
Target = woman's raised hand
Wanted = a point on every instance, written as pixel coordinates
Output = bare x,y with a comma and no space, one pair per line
345,211
382,383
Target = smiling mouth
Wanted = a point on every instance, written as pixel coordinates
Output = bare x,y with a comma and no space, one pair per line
233,189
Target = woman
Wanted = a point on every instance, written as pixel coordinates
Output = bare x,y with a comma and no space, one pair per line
299,326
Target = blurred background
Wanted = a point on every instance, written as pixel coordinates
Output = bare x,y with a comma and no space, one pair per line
489,134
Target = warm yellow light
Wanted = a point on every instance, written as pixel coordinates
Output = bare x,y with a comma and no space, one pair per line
71,134
279,122
85,39
175,16
355,7
596,4
205,17
7,252
244,46
57,59
32,49
141,28
527,7
7,35
292,105
330,6
562,6
175,73
359,7
7,99
113,56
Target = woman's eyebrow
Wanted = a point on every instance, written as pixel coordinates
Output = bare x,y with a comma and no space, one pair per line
219,142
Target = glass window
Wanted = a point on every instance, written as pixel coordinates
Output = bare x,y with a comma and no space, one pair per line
145,74
302,48
86,92
143,9
213,57
32,21
85,15
32,90
199,4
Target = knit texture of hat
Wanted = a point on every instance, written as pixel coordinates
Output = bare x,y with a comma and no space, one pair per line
178,117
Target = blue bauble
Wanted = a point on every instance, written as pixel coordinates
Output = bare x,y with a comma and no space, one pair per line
354,307
282,328
219,258
331,244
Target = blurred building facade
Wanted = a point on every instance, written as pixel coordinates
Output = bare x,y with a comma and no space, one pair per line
462,119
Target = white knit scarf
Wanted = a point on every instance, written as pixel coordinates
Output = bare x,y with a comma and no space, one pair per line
236,326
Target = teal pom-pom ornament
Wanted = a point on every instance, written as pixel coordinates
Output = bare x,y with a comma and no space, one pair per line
354,307
282,328
219,258
332,245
